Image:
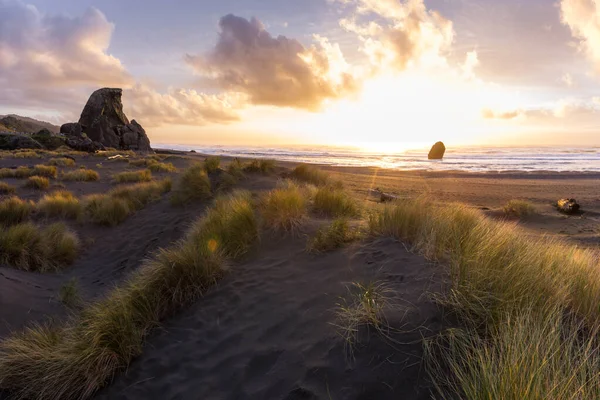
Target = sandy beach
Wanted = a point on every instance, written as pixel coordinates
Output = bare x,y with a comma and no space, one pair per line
268,329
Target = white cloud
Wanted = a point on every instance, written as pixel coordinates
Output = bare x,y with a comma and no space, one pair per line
583,18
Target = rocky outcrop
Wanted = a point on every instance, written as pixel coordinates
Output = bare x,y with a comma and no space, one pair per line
13,141
103,122
568,206
48,140
437,151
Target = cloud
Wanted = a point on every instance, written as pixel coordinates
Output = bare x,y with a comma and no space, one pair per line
583,18
567,79
179,106
277,71
506,115
563,109
405,33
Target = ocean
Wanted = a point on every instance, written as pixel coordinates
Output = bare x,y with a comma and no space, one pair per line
475,159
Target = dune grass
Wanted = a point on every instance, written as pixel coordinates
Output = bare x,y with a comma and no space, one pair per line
47,171
42,249
212,164
75,360
315,176
283,209
193,186
235,168
333,236
117,205
14,210
143,175
5,188
333,202
501,276
153,164
60,204
69,294
61,162
37,182
262,166
25,154
519,209
81,175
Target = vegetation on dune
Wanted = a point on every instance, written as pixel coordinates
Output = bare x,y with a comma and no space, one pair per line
69,294
333,236
153,164
309,174
212,164
518,209
62,204
235,168
14,210
193,185
47,171
509,289
81,175
77,359
61,162
25,154
335,203
133,176
283,209
115,206
5,188
260,166
37,182
33,248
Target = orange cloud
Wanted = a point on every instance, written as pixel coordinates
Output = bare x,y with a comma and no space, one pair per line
583,18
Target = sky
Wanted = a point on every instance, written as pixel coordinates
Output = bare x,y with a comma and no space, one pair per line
378,74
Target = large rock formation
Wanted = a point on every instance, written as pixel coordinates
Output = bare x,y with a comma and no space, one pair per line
103,124
437,151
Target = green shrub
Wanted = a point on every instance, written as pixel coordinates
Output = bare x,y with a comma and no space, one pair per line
133,176
193,185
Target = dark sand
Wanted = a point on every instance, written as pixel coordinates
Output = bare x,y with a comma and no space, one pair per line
266,331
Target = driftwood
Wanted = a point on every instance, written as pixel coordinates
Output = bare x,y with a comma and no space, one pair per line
383,197
567,206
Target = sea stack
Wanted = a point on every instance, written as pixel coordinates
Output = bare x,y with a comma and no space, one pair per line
437,151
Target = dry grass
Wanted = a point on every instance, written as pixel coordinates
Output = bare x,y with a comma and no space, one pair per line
235,168
262,166
309,174
47,171
62,162
14,210
37,182
69,294
503,277
212,164
519,209
61,204
133,176
193,185
335,203
74,360
33,248
153,164
283,209
25,154
5,188
81,175
333,237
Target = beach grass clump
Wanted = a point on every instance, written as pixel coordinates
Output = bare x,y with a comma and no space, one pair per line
14,210
156,166
235,168
333,202
309,174
42,249
48,171
5,188
133,176
76,359
25,154
140,194
37,182
194,185
60,204
501,275
283,209
61,162
81,175
69,294
263,166
332,237
212,164
519,209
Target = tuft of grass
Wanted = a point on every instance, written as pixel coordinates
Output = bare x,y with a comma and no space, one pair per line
31,248
37,182
25,154
133,176
81,175
75,360
47,171
235,168
62,162
193,185
226,181
14,210
5,188
61,204
156,166
518,209
69,294
335,203
212,164
260,166
309,174
332,237
283,209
